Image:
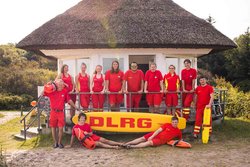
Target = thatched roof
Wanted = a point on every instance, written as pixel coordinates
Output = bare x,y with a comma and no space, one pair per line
126,24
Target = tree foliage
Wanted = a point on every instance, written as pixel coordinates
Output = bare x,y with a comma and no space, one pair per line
234,64
21,72
237,101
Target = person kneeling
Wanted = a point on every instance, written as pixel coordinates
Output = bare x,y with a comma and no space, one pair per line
161,136
99,141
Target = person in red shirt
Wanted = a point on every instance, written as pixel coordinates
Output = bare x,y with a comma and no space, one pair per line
204,96
113,80
69,85
99,141
161,136
188,77
172,84
153,83
58,98
133,83
83,87
97,89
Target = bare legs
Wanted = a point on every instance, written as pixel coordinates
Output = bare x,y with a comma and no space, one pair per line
115,107
54,135
139,143
154,109
105,143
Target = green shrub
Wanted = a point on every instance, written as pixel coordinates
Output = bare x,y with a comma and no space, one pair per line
13,102
237,101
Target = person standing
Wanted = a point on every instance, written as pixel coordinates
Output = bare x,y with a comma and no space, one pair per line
97,89
204,96
113,80
83,86
188,77
133,84
153,83
57,97
69,85
172,85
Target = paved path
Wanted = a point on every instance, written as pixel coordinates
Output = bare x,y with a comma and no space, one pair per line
8,116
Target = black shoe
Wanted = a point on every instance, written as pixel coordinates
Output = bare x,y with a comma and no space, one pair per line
55,145
60,146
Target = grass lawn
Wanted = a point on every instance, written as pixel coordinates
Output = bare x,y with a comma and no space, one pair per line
232,129
1,115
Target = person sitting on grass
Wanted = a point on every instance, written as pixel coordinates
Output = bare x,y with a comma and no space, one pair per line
99,141
161,136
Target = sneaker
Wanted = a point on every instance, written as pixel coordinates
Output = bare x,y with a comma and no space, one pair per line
55,145
128,147
60,146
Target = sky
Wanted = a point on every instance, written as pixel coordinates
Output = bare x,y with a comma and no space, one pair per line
19,18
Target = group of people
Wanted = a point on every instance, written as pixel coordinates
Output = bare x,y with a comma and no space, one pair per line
161,136
115,83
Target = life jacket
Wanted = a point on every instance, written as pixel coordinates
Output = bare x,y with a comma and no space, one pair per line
86,140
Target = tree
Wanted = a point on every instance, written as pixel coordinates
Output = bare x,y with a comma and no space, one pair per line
238,62
233,64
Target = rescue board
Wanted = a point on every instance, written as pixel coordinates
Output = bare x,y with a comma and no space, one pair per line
127,121
179,143
206,125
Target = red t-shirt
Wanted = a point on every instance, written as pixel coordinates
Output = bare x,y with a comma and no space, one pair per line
68,81
134,80
169,132
203,94
85,127
171,82
98,83
153,79
188,76
58,99
115,80
84,83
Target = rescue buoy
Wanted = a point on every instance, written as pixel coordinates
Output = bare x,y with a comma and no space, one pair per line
179,143
33,103
50,87
206,125
86,140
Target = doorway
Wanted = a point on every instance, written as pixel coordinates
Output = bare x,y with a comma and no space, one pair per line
143,62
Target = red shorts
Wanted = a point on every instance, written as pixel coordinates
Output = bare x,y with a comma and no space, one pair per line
98,100
157,141
134,102
171,100
73,97
56,119
154,99
95,137
115,99
85,98
187,99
